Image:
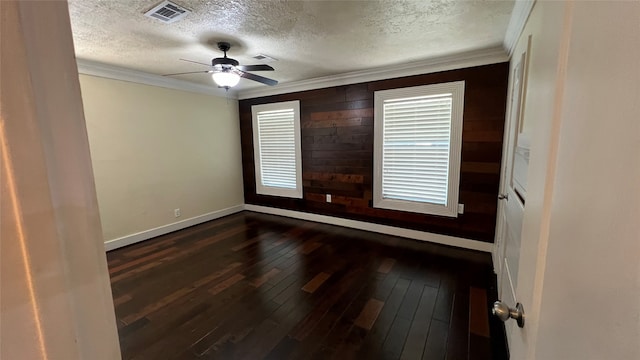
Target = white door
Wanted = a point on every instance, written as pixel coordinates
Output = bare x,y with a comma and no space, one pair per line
513,185
538,67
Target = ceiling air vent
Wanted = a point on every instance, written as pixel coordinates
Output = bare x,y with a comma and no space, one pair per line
167,12
265,58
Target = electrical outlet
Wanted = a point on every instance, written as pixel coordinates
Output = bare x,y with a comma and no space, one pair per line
460,208
328,198
176,212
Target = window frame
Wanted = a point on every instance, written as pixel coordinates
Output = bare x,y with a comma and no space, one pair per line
270,190
450,209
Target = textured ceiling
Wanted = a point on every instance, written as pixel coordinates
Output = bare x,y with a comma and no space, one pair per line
309,38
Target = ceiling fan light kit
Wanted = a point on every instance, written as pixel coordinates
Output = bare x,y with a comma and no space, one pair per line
226,79
226,72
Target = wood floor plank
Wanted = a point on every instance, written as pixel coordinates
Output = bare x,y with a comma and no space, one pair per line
479,348
394,343
311,247
369,314
316,282
444,300
140,260
254,240
121,299
218,288
458,339
417,336
217,274
256,286
378,334
330,296
237,323
170,343
386,265
346,338
133,272
147,249
478,312
138,342
332,328
286,317
436,346
259,281
156,305
410,302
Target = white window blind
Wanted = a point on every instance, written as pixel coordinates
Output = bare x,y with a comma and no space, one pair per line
277,149
417,148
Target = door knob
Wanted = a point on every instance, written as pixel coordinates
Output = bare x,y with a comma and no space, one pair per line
504,313
503,197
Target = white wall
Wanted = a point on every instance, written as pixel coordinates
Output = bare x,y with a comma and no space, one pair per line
590,305
155,150
579,278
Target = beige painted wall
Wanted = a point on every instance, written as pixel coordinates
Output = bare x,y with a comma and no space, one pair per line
156,149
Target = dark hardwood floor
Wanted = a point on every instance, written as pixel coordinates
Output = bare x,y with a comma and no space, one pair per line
255,286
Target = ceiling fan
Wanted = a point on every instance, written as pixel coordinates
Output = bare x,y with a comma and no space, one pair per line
226,72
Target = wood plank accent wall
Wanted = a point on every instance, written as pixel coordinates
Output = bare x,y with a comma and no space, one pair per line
337,152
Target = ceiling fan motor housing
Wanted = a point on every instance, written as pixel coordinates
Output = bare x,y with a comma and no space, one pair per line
224,61
224,46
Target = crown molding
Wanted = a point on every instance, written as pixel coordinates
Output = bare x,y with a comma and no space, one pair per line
442,63
94,68
519,16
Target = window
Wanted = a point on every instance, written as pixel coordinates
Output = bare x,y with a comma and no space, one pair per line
276,144
418,137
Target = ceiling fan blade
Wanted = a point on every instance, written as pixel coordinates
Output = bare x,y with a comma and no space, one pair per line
196,62
254,67
258,78
191,72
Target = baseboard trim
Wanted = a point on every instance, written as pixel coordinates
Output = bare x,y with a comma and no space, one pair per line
383,229
354,224
165,229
